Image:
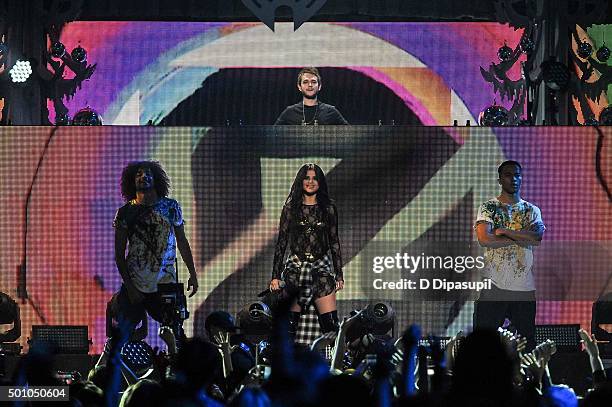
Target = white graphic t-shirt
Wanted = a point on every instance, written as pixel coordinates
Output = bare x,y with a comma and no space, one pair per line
509,267
151,241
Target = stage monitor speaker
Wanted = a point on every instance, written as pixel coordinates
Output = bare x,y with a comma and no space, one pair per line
565,336
61,363
66,339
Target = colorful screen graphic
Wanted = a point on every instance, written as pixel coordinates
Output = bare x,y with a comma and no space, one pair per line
179,73
395,186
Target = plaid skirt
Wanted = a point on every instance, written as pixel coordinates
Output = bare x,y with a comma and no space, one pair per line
309,280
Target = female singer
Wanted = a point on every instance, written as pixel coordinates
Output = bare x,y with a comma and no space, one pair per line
309,225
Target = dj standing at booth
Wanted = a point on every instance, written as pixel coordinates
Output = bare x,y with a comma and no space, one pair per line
150,225
310,110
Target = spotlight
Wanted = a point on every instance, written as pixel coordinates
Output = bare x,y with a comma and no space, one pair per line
87,117
58,50
494,116
605,117
555,75
255,320
603,53
585,49
138,356
258,311
21,71
382,316
79,55
377,319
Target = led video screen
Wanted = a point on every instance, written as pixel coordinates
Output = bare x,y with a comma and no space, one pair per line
201,74
397,189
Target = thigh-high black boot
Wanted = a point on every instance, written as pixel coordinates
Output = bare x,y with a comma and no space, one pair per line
329,321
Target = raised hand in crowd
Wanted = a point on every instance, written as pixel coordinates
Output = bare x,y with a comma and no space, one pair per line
597,367
545,350
515,342
589,342
222,342
535,367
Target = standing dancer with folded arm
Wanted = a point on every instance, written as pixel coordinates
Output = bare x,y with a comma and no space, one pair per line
508,227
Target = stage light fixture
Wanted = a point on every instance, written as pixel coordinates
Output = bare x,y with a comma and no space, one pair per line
64,339
255,313
377,318
605,117
87,117
79,54
255,319
585,49
382,316
494,116
603,53
137,355
58,50
21,71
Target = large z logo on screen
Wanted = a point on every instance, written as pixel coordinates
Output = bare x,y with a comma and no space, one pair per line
303,10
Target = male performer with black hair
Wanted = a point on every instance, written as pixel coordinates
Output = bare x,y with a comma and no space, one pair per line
151,226
310,110
508,227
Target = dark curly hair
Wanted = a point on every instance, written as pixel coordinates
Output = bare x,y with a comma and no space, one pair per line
128,179
294,200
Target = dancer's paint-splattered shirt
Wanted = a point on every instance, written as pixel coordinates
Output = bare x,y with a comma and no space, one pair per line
510,267
151,241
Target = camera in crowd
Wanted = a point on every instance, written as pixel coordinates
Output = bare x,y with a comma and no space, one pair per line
174,303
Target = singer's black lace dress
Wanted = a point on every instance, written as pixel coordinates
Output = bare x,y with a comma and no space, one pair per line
311,234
